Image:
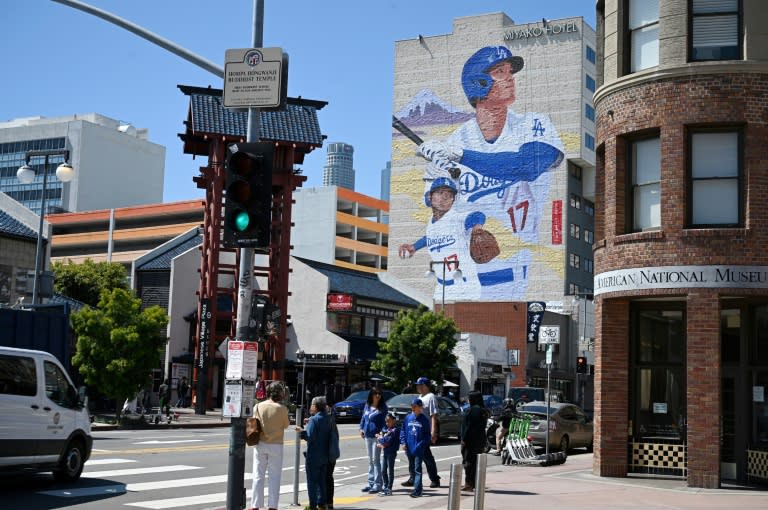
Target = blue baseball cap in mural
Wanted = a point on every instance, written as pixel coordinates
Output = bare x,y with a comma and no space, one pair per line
422,380
417,402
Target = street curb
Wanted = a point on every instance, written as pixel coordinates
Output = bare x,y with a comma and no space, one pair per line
160,426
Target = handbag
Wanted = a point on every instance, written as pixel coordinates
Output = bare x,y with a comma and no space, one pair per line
253,430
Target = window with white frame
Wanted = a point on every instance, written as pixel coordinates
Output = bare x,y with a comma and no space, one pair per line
645,163
715,172
643,34
715,30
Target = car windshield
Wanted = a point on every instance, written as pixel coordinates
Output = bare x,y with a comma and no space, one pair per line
401,400
358,395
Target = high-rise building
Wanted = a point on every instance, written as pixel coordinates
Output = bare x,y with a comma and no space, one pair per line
115,164
338,169
681,269
503,190
386,175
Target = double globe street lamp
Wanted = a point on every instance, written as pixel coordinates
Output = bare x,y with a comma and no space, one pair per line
26,174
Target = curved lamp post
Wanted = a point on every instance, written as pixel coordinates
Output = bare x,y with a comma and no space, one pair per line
445,264
26,174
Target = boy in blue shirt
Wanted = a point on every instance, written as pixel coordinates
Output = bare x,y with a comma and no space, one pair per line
415,436
388,441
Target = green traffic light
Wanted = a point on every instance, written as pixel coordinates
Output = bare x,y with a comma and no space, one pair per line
242,220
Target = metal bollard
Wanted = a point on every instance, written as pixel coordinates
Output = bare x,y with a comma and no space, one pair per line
454,489
482,464
297,460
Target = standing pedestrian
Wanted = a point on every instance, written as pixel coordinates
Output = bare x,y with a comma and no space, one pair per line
371,424
164,394
183,388
388,441
414,438
333,455
473,438
317,434
430,411
268,453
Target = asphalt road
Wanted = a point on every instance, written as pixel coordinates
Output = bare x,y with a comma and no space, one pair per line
182,468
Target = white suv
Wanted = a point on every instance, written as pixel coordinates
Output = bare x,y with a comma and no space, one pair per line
43,425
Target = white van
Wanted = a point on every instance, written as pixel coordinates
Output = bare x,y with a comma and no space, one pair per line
44,426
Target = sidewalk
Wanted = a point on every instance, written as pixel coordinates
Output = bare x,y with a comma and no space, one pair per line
569,486
183,417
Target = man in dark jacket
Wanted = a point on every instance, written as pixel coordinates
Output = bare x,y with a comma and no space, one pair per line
473,437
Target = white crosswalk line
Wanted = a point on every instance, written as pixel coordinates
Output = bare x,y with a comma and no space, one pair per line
160,504
101,462
137,471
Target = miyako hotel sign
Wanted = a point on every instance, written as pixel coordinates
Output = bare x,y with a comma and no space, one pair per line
682,277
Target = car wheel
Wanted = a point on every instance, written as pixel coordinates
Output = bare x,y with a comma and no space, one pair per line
519,405
71,465
564,444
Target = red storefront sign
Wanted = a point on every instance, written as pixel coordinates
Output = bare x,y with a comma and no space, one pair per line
340,302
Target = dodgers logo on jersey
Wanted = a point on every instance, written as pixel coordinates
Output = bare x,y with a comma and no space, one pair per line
440,242
476,186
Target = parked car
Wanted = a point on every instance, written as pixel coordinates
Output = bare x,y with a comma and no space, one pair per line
45,422
449,414
569,427
351,408
494,404
525,394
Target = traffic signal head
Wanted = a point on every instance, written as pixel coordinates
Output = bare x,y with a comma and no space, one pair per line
248,195
581,365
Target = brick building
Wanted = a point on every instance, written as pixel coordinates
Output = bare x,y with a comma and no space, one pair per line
681,270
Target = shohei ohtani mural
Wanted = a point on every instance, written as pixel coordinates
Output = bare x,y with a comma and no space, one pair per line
488,176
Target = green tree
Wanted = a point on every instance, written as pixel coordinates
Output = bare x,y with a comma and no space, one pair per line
420,343
85,281
118,343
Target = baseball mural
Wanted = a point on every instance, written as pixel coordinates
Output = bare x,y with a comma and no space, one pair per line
484,174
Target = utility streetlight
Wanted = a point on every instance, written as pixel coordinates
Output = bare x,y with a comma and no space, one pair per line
26,174
445,263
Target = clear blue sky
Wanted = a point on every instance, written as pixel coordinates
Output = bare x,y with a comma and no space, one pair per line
60,61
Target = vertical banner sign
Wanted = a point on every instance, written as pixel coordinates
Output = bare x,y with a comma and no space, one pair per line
557,222
205,333
535,316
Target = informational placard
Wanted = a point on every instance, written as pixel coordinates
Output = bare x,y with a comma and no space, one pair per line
233,399
255,78
242,359
549,334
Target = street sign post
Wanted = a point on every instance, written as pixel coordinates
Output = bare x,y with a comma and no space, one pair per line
549,334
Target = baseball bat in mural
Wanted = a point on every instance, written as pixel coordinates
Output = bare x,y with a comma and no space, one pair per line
405,130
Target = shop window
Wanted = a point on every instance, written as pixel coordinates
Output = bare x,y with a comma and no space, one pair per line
643,32
658,368
715,179
369,327
384,327
715,30
645,185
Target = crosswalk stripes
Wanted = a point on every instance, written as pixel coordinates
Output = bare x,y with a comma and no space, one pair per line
185,499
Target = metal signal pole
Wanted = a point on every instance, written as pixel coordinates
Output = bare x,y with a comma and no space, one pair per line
236,465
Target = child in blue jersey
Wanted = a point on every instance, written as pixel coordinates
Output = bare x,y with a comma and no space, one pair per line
388,441
415,436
